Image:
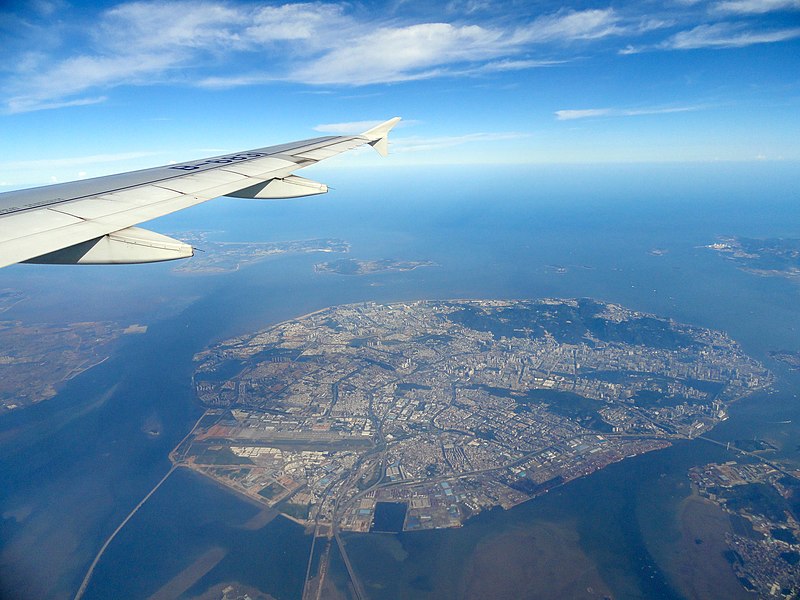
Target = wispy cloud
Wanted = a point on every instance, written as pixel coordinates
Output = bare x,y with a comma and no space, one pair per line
755,7
26,104
425,50
585,113
401,54
424,144
315,43
566,26
225,44
726,35
589,113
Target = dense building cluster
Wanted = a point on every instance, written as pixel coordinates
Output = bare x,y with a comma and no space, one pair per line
451,407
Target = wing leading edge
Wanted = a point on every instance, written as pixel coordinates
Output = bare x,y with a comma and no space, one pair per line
93,221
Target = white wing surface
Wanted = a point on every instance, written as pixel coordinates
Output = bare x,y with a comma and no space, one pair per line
93,221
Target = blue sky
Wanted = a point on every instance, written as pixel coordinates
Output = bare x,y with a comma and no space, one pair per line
88,89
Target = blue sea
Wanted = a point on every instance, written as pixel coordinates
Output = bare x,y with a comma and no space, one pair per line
74,466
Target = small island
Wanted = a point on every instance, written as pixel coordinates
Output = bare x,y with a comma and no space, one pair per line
774,257
214,257
787,357
354,266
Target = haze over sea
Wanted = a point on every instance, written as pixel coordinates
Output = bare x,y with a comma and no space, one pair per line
74,466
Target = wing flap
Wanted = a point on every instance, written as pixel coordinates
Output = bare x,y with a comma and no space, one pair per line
129,246
44,242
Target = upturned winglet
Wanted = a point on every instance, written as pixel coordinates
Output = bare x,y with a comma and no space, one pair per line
378,136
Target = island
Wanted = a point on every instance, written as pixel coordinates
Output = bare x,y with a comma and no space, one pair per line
787,357
213,257
762,501
448,408
774,257
37,359
353,266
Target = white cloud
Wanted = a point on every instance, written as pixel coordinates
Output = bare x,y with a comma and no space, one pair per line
468,6
424,144
233,81
514,65
27,104
222,44
147,26
73,76
46,8
422,51
630,49
588,113
296,22
146,43
566,26
570,114
754,7
659,111
403,53
726,35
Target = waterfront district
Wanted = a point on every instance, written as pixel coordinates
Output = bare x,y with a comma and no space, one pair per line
419,415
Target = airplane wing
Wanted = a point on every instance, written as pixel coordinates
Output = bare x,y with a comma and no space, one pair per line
93,221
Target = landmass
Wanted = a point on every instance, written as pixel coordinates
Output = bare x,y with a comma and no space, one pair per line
353,266
37,360
449,408
762,501
774,257
787,357
215,257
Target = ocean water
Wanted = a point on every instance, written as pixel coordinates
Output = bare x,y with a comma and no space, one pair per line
74,466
